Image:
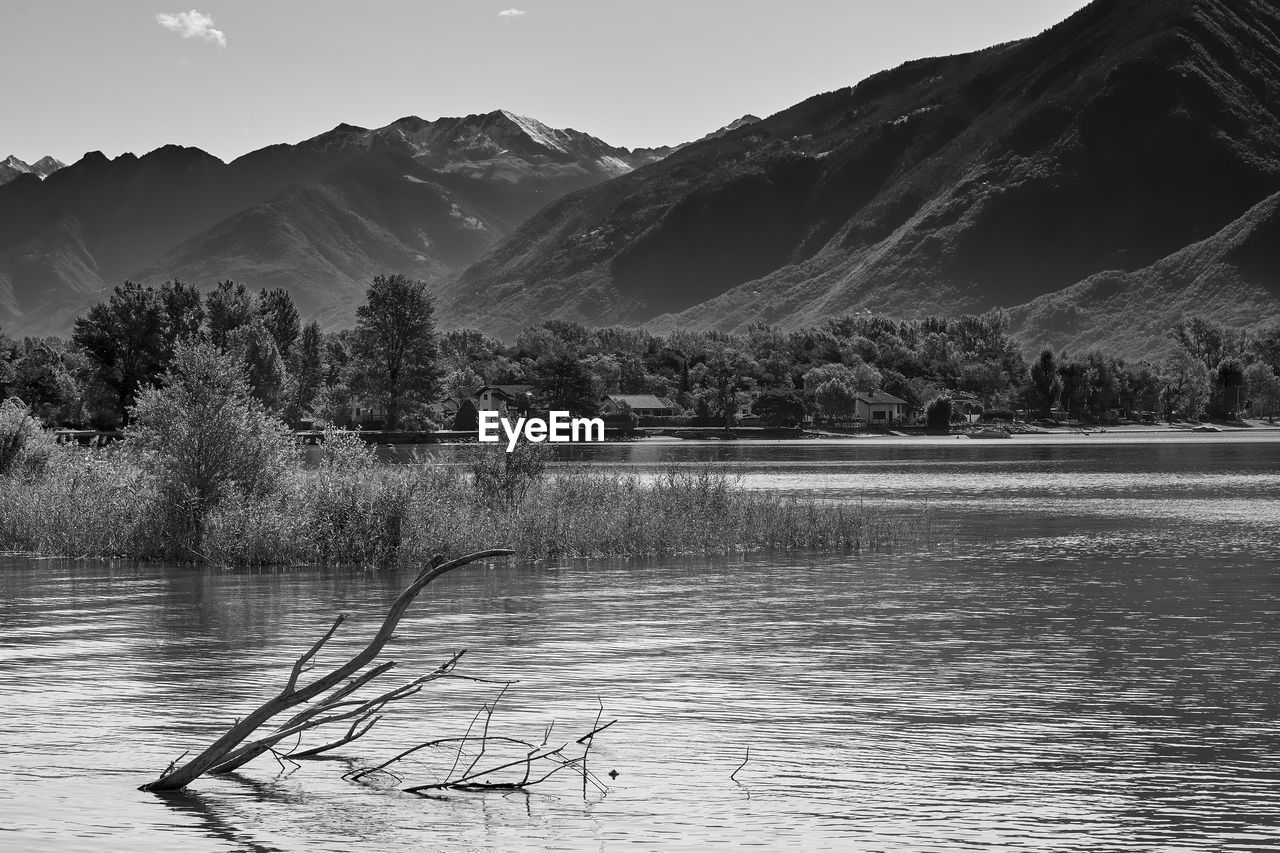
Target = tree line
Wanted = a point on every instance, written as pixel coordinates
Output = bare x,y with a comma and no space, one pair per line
395,358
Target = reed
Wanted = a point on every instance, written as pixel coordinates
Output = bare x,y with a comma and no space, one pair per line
351,509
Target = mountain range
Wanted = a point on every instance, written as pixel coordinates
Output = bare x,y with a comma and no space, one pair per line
319,218
1100,181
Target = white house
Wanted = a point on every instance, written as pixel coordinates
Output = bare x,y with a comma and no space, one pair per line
502,398
363,413
881,408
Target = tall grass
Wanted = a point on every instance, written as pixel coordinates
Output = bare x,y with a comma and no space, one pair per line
351,509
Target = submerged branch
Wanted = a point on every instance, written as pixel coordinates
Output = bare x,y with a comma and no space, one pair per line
224,752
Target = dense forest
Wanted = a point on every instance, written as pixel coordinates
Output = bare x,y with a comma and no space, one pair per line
397,360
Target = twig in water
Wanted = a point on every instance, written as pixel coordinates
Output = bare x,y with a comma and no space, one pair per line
745,759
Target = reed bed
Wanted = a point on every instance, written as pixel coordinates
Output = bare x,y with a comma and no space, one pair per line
351,509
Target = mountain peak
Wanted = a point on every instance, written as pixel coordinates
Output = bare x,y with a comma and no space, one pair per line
12,166
341,135
538,132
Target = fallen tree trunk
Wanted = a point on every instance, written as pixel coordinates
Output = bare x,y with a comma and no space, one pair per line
226,753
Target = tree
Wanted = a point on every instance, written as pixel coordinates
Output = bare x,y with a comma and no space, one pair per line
229,306
1140,389
1079,384
467,416
857,378
1228,388
724,379
255,348
183,311
306,371
127,342
280,317
206,438
565,384
337,358
938,415
779,408
394,347
1264,390
860,376
836,400
605,373
1209,342
42,381
1103,374
1265,346
472,351
460,383
1184,385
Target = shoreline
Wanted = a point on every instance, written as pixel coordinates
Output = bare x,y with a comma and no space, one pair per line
749,435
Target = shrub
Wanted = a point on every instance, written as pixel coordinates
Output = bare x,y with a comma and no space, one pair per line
502,479
22,440
205,438
938,415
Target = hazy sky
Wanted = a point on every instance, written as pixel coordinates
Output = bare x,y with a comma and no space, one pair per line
229,76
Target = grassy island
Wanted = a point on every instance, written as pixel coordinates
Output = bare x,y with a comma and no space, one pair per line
205,474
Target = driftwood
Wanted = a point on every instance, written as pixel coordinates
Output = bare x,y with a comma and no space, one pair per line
231,751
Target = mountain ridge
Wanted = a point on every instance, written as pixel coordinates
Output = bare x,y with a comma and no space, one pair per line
946,185
177,211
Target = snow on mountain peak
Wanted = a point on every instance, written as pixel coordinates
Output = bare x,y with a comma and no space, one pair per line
11,167
538,132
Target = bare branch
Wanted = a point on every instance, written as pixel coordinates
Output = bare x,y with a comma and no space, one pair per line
217,752
484,734
353,733
308,720
591,734
462,782
469,779
359,774
300,665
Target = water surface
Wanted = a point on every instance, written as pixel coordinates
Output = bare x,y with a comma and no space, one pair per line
1086,660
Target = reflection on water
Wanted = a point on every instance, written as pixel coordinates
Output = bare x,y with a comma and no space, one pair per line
1087,662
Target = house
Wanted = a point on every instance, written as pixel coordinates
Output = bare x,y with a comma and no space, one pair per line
881,408
642,405
503,398
364,414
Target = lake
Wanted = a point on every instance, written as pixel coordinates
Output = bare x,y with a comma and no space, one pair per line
1085,658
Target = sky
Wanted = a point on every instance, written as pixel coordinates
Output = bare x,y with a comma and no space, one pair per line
230,76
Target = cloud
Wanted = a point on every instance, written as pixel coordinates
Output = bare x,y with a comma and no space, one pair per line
191,25
511,14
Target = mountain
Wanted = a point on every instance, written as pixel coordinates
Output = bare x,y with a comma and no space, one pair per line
1131,138
320,217
11,167
1230,275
